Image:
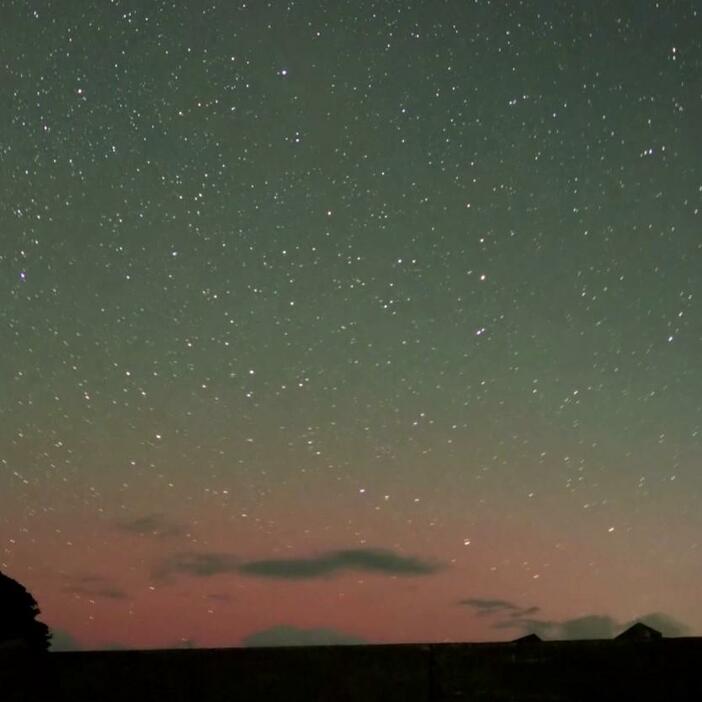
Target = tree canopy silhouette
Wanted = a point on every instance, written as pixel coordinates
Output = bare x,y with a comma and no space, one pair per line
19,626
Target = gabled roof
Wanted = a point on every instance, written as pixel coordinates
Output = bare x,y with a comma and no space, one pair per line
639,632
529,638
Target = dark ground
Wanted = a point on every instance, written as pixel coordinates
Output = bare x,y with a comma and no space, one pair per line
666,670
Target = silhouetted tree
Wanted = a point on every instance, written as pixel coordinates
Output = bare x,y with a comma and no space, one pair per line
19,627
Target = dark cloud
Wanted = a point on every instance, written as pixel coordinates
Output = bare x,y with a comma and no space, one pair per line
63,641
667,625
201,565
109,593
151,525
94,586
367,560
293,636
589,626
325,564
528,611
592,626
485,607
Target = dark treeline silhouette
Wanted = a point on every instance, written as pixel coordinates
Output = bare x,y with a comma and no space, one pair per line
19,627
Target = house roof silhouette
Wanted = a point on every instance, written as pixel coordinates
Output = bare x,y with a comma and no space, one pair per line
639,632
528,639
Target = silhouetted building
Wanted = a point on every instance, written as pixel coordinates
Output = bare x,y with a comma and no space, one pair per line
640,632
528,639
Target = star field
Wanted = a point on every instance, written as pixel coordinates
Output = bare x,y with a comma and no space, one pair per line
334,317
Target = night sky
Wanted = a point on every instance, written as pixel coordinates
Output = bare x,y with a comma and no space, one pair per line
335,321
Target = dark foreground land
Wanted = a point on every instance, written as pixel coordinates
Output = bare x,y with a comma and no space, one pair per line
665,670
